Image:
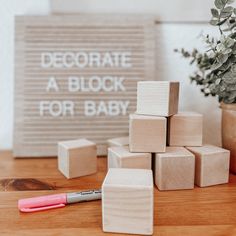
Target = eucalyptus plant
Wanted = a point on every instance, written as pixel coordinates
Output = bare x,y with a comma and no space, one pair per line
216,67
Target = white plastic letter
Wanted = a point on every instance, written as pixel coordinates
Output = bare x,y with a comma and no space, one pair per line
43,106
126,60
52,85
46,60
124,107
89,108
73,84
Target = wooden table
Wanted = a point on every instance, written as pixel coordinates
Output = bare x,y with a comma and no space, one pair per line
202,211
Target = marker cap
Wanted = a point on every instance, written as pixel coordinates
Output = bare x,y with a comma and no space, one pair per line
42,203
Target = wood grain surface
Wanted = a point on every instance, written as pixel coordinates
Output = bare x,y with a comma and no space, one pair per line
202,211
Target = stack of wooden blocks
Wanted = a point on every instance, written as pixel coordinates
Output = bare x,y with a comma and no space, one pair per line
161,140
165,141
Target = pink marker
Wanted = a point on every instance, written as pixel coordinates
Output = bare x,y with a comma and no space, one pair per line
57,200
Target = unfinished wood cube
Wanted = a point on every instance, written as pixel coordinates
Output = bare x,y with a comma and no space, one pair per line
127,201
212,165
185,129
121,157
174,169
118,142
147,133
77,158
158,98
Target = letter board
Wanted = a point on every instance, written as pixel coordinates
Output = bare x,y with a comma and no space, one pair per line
76,77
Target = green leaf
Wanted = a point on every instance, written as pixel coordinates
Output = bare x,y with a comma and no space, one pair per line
230,29
214,22
216,66
229,42
225,14
233,69
229,78
222,88
230,1
226,30
218,81
226,66
235,11
214,13
228,9
227,51
219,4
232,95
232,88
233,35
220,47
222,58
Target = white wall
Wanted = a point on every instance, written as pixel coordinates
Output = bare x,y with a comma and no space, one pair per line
165,10
8,9
170,65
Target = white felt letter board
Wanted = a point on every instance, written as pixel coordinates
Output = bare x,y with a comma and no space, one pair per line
76,77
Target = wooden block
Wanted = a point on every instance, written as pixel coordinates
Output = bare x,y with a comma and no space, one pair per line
118,142
174,169
77,158
127,201
212,165
121,157
185,129
147,133
158,98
